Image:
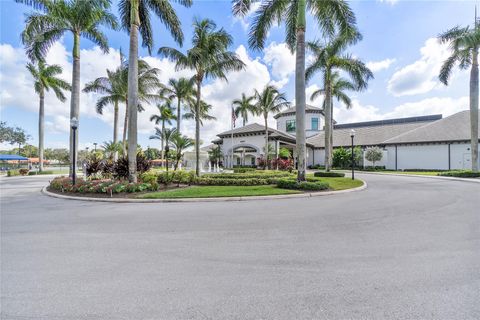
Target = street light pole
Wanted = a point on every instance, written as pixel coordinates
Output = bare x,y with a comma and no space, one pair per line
74,125
352,135
95,146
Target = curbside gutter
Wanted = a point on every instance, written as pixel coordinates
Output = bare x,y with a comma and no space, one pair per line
474,180
217,199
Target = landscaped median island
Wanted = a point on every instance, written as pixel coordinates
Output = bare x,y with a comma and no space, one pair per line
184,184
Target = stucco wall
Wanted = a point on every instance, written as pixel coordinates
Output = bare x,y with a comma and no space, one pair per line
282,123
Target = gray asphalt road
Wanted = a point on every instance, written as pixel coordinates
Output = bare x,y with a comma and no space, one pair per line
405,248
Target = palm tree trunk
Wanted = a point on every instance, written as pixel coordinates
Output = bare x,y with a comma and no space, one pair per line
133,91
162,140
125,129
197,129
266,142
331,133
474,109
328,123
41,125
75,98
178,114
300,99
115,128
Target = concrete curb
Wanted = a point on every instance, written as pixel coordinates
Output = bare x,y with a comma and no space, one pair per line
474,180
217,199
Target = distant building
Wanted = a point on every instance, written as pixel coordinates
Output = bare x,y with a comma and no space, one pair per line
425,142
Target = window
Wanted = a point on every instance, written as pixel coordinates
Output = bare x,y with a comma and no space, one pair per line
291,125
315,124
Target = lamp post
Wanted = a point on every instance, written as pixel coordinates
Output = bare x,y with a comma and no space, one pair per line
167,148
74,125
95,146
352,135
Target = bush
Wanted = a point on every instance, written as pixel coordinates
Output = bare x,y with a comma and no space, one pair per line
316,167
460,174
23,171
373,155
304,185
64,184
13,173
120,168
33,173
254,175
179,177
329,174
243,170
231,182
342,158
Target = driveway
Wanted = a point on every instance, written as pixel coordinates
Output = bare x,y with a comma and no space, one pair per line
406,247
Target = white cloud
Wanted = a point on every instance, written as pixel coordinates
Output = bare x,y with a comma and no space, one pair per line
391,2
279,58
245,20
422,75
376,66
435,105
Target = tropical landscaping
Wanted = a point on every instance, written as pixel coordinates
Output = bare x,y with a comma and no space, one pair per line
120,165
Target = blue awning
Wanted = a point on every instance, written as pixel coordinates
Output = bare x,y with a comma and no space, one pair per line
6,157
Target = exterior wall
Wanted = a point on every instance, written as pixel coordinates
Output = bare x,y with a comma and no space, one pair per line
282,123
434,156
318,157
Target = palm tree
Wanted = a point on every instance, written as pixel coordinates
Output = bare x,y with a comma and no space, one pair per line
45,77
339,85
209,59
215,155
165,115
81,18
464,44
270,100
204,113
180,143
135,16
165,136
113,91
111,149
327,59
182,90
330,16
244,106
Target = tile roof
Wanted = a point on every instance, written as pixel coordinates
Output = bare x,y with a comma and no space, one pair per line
453,128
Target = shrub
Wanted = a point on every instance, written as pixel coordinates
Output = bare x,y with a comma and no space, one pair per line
329,174
316,167
33,173
304,185
93,166
253,175
13,173
64,184
282,164
342,158
373,155
120,168
243,170
460,174
179,177
23,171
231,182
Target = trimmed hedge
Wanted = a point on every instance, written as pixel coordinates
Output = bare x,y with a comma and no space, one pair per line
255,175
329,174
232,182
64,184
13,173
243,170
34,173
460,174
304,185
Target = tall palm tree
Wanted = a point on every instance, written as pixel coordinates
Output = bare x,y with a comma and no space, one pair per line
215,155
327,59
464,44
270,100
209,58
113,91
165,115
330,16
165,136
45,77
339,86
204,113
81,18
180,89
180,143
135,16
244,106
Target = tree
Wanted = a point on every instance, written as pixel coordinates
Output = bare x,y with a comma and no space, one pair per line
180,143
19,136
330,15
111,149
215,155
463,45
203,114
165,115
6,132
373,155
327,59
135,16
270,100
244,106
166,137
45,78
182,90
209,58
81,18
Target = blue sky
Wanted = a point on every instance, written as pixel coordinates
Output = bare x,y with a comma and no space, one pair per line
398,44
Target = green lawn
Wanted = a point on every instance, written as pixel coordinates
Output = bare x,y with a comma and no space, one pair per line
217,191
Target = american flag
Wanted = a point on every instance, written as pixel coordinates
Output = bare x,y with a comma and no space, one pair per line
234,117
